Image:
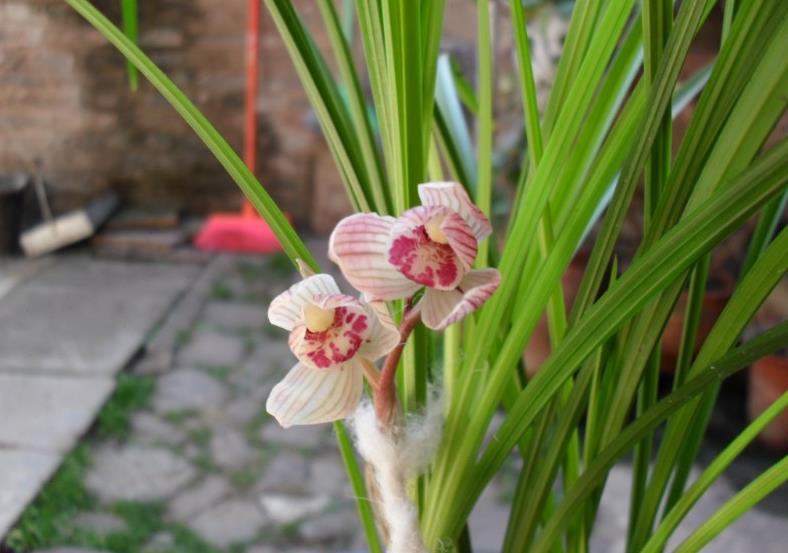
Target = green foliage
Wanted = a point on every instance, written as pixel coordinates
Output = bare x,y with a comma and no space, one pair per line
221,291
130,27
601,135
47,518
132,393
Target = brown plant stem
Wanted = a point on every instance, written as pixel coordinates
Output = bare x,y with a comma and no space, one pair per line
386,391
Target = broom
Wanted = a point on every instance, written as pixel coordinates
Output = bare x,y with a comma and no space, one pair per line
244,231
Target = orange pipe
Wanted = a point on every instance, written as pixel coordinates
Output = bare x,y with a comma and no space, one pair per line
252,63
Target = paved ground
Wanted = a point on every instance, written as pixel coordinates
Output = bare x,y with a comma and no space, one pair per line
223,475
68,325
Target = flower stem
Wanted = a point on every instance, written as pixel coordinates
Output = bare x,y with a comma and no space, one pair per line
386,390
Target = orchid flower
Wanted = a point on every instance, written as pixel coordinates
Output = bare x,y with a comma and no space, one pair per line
333,336
432,246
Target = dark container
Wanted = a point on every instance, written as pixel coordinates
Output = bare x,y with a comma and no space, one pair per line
12,193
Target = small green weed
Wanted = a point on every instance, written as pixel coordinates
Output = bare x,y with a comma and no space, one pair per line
221,291
133,392
179,416
219,372
200,436
46,520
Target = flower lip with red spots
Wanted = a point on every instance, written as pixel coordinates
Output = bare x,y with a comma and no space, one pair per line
424,261
339,342
432,246
332,335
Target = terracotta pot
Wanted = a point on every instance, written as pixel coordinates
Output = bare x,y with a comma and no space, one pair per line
768,381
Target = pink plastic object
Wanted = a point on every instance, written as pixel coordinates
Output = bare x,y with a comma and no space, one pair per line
244,231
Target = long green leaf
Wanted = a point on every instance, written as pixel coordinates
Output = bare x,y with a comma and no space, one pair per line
711,473
748,125
363,501
358,106
693,236
676,251
330,108
687,23
451,127
130,17
484,129
734,361
526,223
755,491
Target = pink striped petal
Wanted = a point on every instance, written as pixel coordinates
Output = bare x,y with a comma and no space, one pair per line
312,396
461,239
440,308
454,196
340,342
383,334
358,245
286,311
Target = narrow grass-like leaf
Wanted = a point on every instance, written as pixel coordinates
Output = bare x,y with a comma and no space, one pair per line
711,473
729,364
526,222
647,327
687,23
451,126
130,17
763,485
330,108
585,17
533,131
484,130
693,236
682,429
747,126
363,502
358,106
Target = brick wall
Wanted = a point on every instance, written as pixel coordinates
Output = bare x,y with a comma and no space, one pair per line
65,104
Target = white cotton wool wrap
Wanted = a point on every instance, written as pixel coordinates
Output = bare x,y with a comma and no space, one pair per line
395,458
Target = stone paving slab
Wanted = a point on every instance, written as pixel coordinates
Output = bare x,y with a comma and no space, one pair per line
22,473
135,473
48,412
69,323
229,522
210,348
85,316
13,271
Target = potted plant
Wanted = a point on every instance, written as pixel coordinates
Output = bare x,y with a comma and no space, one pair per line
451,313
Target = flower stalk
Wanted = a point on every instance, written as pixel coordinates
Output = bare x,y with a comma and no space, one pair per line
385,396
